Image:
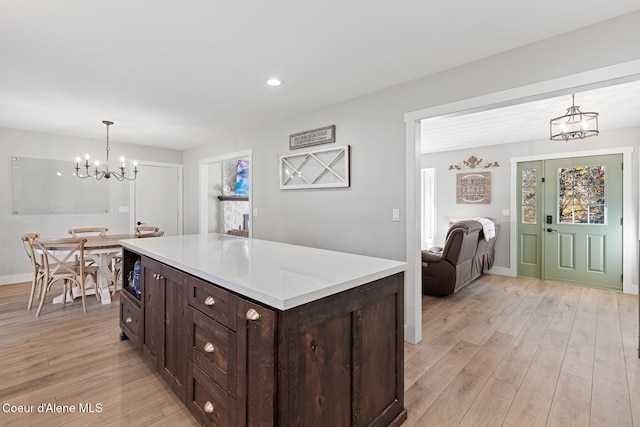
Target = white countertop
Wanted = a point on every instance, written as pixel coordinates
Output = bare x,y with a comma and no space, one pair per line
279,275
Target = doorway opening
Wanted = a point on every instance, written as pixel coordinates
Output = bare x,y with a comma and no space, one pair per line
225,189
602,77
428,208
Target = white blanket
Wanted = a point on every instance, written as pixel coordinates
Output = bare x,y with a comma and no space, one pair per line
488,228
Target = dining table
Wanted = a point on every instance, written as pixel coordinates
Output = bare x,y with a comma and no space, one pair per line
102,250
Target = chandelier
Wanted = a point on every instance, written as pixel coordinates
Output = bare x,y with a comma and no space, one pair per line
575,124
105,173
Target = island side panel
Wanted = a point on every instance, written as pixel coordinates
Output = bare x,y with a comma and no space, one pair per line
340,359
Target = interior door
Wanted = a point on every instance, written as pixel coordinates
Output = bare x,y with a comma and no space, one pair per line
158,197
583,220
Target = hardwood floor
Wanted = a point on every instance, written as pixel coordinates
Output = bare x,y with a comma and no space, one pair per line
66,357
503,351
523,352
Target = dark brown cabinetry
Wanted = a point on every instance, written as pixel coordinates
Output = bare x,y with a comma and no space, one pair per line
164,318
232,352
336,361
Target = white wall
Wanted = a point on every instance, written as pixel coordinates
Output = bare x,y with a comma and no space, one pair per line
501,182
14,263
358,219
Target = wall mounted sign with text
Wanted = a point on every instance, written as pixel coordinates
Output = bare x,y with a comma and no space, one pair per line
318,136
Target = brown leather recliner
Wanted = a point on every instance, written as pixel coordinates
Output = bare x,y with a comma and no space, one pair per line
465,257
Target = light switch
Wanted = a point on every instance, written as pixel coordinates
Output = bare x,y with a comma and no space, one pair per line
255,211
395,214
123,209
506,212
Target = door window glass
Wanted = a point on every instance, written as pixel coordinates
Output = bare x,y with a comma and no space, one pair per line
581,195
529,196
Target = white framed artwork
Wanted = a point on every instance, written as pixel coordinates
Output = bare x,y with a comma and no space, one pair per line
328,168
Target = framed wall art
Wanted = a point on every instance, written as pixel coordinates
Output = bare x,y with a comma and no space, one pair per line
328,168
473,188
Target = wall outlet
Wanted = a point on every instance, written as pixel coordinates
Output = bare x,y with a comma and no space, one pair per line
123,209
395,215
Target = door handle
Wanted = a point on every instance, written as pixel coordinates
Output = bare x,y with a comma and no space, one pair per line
549,230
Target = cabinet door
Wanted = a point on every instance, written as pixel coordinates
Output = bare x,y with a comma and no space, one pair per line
165,333
173,360
257,350
153,310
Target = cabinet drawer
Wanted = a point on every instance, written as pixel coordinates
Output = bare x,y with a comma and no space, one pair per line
130,320
213,348
213,301
208,402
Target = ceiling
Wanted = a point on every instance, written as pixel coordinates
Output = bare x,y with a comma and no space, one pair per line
618,106
184,74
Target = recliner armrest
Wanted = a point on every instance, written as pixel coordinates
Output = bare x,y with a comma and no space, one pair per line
430,257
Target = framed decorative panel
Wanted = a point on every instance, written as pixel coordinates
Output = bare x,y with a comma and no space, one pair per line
328,168
473,188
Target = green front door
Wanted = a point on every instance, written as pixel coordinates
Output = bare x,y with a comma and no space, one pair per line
578,223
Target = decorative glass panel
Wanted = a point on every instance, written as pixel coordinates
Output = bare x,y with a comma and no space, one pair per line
529,178
529,196
581,195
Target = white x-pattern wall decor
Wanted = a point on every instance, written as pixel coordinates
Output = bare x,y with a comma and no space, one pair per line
315,169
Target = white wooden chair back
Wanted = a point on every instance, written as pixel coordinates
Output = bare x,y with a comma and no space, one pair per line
100,231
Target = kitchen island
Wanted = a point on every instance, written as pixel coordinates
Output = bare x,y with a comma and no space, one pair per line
252,332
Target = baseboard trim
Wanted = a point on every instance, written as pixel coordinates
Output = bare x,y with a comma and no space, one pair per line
631,289
15,278
410,335
502,271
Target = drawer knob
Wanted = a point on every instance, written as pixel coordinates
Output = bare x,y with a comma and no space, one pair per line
208,347
209,301
252,314
208,407
129,320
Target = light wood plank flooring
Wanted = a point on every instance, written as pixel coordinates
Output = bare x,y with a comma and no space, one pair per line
523,352
66,357
504,351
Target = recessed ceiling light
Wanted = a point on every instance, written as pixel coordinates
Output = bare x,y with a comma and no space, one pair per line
274,81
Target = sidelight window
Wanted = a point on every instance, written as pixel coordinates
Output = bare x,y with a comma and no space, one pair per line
529,196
